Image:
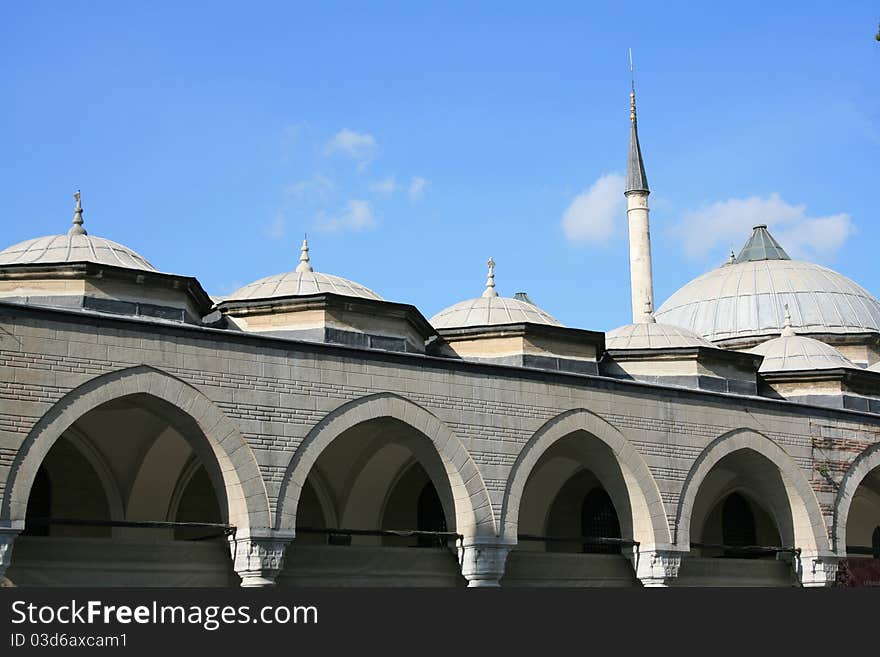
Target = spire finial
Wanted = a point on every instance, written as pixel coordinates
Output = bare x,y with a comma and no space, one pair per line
77,228
632,93
787,330
490,279
304,264
636,180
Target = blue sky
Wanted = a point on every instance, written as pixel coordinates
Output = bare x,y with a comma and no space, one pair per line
413,140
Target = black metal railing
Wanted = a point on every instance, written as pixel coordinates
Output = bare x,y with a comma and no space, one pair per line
342,536
221,528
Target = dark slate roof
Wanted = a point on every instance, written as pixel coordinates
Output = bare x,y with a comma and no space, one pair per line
636,180
761,246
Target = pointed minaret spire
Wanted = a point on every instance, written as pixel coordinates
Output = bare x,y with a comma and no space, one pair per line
77,228
640,270
490,280
304,264
787,330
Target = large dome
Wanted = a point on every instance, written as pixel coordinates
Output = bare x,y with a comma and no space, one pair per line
651,335
747,297
302,282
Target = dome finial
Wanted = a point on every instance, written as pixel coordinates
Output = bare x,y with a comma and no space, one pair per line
731,258
304,264
77,228
490,279
649,312
787,330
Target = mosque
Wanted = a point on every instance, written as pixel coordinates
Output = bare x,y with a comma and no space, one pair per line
306,431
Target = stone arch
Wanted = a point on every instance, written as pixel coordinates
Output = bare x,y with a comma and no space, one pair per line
808,525
649,524
863,464
473,510
93,455
232,458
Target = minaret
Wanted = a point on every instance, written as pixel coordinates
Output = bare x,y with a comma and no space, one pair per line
641,276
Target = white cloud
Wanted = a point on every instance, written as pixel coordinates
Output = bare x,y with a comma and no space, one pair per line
385,187
724,224
360,146
277,227
318,185
592,216
358,216
417,187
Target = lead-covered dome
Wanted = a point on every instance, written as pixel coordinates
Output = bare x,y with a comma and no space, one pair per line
491,309
74,246
746,297
303,281
794,353
653,335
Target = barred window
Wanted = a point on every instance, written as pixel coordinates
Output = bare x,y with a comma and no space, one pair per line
599,520
737,524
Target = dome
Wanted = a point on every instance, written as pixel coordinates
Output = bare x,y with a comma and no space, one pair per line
75,246
491,310
55,249
746,297
302,282
651,335
790,353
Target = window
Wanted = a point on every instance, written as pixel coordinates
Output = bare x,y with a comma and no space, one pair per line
599,520
737,525
875,543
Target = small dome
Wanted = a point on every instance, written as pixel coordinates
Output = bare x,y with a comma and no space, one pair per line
302,282
790,353
76,246
55,249
491,310
651,335
746,298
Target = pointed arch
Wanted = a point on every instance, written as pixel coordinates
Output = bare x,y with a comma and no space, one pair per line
224,449
808,525
473,510
649,523
863,464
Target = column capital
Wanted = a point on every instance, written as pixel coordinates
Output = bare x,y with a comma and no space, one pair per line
8,534
817,570
657,567
258,555
483,559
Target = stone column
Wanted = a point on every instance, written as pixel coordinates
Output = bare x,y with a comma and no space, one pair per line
815,570
657,567
482,561
258,555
